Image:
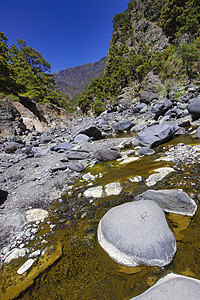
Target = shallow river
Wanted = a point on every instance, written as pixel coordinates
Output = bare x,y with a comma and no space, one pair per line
84,270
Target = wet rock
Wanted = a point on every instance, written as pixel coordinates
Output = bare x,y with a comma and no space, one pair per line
197,133
14,254
94,192
77,155
36,214
81,138
122,126
76,166
113,188
27,265
172,286
145,151
173,201
137,233
106,154
128,160
156,135
159,175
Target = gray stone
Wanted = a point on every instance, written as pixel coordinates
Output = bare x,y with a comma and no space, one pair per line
77,155
173,201
172,286
161,107
147,97
139,107
197,133
122,126
89,129
159,174
76,166
156,135
34,254
63,146
145,151
113,188
81,138
137,233
194,107
106,154
44,139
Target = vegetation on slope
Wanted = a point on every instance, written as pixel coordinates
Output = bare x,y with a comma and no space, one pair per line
24,72
179,20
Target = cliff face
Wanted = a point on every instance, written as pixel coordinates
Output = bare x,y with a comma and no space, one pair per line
75,80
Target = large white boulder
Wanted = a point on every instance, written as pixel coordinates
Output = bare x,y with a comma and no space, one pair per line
174,287
137,233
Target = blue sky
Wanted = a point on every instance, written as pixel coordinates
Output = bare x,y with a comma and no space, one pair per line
67,33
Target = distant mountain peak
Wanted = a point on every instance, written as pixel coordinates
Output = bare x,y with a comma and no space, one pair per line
74,80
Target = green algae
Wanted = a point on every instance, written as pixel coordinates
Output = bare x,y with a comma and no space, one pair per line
85,271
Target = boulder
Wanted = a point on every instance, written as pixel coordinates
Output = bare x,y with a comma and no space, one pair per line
147,97
197,133
173,201
139,107
161,107
81,138
156,135
194,107
106,154
137,233
63,146
76,166
77,155
172,286
88,129
122,126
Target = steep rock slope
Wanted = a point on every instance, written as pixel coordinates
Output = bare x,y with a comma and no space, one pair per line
75,80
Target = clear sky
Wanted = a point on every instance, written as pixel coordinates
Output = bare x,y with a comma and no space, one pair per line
67,33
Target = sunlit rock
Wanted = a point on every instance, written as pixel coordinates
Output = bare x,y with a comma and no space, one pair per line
25,266
94,192
173,286
159,175
173,201
36,214
113,188
137,233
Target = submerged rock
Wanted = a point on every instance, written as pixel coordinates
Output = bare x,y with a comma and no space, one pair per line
159,175
94,192
113,188
137,233
173,201
173,286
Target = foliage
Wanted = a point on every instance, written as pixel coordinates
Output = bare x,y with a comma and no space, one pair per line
98,107
24,72
179,17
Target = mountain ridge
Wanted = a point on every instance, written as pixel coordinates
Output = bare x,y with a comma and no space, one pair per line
72,81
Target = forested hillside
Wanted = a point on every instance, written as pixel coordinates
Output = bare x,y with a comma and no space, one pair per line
75,80
24,72
157,35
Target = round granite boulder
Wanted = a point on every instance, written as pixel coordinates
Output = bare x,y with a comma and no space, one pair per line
137,233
